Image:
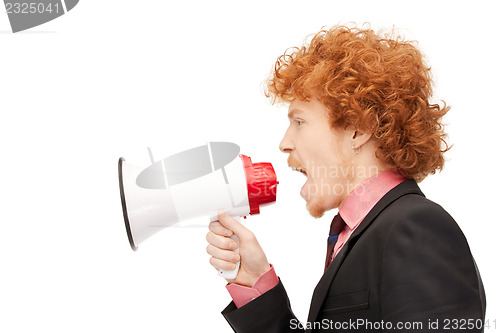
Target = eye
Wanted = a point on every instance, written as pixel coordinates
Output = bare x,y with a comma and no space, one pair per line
299,122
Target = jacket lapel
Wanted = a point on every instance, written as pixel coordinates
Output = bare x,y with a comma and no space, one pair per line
407,187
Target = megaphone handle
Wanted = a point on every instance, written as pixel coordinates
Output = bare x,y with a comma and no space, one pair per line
231,275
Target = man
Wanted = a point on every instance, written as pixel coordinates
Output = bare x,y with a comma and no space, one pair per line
363,131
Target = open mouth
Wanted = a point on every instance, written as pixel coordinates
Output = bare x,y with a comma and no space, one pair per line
304,192
295,168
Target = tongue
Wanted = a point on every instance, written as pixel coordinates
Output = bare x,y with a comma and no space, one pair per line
305,190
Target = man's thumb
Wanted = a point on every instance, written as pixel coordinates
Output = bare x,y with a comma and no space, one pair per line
232,224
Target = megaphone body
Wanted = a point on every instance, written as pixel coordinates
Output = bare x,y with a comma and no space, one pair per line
194,183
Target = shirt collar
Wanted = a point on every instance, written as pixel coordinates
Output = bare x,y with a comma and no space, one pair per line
364,197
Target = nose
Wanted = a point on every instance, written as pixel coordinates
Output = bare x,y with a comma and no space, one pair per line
286,145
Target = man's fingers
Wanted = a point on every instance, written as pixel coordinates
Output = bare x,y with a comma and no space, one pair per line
219,229
225,255
230,223
224,243
221,264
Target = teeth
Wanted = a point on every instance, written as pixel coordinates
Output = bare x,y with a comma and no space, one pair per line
294,168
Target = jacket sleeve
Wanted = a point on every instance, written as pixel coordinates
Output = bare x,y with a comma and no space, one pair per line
429,275
269,312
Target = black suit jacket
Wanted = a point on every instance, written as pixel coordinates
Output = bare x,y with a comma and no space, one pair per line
407,267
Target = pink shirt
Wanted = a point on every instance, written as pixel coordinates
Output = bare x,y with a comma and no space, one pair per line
360,201
353,210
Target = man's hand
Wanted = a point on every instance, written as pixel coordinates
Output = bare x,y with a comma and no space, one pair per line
221,247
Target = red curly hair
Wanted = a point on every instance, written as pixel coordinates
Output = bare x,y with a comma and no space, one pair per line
376,84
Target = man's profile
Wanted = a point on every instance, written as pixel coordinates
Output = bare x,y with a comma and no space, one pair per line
364,132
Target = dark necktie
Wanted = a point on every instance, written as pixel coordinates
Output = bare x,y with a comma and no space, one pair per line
336,227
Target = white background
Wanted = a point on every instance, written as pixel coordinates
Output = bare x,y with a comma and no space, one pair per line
111,78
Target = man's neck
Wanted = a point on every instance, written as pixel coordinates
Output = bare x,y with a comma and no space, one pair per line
360,177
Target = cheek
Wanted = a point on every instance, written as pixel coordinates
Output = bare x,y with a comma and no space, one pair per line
331,182
328,196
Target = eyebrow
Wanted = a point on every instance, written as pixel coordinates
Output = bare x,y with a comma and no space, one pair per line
293,112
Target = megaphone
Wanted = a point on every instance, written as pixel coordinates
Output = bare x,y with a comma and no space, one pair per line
196,182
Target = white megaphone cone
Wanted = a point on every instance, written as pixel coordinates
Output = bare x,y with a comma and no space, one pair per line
145,211
197,182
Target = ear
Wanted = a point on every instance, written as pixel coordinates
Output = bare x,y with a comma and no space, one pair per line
359,138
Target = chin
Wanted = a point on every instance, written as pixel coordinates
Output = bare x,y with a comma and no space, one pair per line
315,210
